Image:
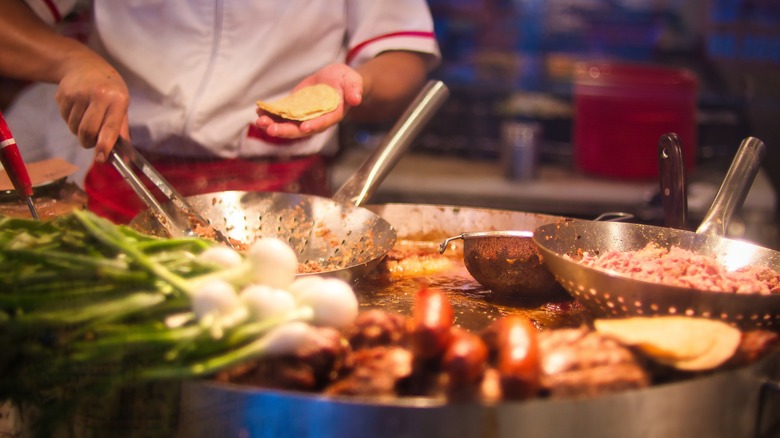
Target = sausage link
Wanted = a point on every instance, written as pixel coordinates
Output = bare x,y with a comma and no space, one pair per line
518,358
431,321
465,360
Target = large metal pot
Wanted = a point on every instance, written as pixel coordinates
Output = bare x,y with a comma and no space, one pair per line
736,403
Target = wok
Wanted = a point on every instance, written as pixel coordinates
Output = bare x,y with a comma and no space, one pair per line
738,402
330,236
608,294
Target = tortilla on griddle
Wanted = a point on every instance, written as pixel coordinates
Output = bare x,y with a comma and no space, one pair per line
686,343
305,103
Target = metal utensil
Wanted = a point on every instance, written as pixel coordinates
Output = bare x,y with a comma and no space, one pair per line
176,215
15,167
508,262
332,236
609,294
671,171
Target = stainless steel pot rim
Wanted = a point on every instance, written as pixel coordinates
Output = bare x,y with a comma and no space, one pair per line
500,233
420,402
512,234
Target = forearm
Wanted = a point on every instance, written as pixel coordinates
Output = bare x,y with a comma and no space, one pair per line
390,82
32,50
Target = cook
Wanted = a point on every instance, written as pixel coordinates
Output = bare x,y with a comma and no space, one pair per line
182,78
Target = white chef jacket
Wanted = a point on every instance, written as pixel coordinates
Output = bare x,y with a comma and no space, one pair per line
196,68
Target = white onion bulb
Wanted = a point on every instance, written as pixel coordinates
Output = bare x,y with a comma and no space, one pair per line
266,302
274,261
287,338
214,296
334,303
221,256
303,284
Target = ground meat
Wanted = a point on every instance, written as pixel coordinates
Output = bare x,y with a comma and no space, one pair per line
683,268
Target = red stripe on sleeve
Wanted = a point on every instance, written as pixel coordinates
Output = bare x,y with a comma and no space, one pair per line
355,50
55,12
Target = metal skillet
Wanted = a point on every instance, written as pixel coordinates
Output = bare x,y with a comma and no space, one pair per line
608,294
331,236
508,262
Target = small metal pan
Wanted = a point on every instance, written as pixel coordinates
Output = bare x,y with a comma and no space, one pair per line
609,294
331,236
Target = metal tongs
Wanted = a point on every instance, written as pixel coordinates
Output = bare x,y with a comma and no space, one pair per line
174,216
14,166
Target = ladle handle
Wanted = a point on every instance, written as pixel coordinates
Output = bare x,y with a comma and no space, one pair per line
359,188
735,187
446,243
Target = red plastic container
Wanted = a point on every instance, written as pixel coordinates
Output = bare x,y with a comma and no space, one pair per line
620,112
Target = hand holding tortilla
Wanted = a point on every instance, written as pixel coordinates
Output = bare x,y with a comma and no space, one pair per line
304,104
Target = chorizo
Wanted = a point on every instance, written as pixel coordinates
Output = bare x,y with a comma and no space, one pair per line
465,359
518,358
430,324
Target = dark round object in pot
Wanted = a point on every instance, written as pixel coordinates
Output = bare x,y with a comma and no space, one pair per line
510,264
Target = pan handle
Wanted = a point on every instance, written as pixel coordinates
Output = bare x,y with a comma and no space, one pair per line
671,169
358,188
735,187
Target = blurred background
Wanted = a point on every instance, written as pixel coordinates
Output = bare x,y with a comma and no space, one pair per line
518,55
515,60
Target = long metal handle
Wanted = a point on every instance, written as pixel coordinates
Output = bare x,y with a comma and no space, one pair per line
174,222
370,175
671,170
735,187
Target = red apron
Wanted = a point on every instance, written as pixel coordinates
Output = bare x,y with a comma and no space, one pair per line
111,197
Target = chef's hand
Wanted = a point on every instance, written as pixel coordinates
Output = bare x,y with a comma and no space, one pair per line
93,99
344,79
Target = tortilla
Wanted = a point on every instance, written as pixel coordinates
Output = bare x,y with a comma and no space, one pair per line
686,343
305,103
